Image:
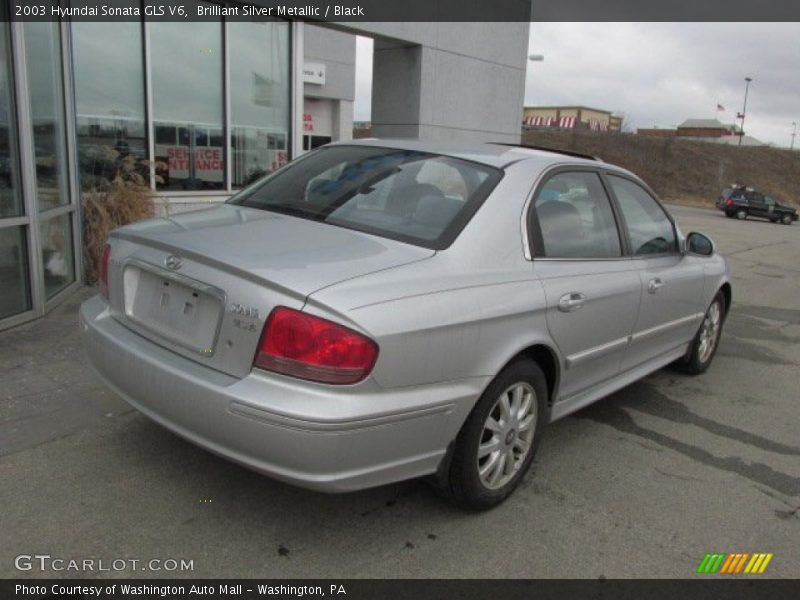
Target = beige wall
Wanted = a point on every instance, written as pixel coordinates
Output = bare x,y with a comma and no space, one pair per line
540,112
586,114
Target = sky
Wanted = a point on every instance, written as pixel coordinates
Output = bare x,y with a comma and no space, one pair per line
658,74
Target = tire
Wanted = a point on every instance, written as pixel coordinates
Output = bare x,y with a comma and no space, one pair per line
460,479
699,356
729,214
787,219
741,214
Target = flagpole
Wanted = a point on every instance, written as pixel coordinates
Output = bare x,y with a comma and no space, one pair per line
744,108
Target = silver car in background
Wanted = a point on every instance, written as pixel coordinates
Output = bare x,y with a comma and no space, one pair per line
382,310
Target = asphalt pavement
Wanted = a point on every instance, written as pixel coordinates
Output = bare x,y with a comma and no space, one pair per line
641,484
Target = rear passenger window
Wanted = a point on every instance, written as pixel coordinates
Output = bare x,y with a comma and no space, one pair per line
649,228
575,218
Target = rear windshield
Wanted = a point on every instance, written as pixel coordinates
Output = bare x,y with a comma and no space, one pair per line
416,197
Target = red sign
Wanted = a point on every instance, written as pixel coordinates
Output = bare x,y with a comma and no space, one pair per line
205,158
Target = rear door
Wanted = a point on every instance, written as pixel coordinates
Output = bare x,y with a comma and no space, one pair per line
671,283
592,289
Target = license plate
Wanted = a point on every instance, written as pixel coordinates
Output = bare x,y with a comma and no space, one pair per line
176,309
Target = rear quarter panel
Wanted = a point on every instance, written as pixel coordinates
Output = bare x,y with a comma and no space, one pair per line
432,327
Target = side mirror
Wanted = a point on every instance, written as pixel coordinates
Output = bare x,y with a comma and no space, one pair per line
697,243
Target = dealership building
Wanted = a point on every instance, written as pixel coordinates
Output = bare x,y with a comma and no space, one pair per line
205,107
571,117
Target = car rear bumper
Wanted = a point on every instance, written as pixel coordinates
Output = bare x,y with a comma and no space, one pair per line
320,437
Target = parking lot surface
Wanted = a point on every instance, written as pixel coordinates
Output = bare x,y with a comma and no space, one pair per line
640,484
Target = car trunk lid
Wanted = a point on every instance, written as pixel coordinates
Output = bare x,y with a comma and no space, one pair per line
202,284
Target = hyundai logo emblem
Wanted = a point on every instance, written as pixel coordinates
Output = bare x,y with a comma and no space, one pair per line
173,262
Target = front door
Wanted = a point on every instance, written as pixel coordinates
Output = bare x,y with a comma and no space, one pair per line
671,284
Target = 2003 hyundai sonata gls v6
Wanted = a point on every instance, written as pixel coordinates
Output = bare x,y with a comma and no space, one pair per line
377,311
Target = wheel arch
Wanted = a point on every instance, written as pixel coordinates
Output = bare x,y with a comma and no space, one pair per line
548,361
727,294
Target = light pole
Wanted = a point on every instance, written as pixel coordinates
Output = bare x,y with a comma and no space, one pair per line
744,108
794,133
534,58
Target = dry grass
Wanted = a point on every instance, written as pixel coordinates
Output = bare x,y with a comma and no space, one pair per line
360,134
111,204
680,171
686,172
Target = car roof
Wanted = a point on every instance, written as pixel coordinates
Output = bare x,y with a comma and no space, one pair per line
497,155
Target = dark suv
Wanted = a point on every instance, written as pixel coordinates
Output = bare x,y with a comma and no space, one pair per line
743,202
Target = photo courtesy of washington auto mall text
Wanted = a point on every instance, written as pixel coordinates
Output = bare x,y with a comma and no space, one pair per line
175,589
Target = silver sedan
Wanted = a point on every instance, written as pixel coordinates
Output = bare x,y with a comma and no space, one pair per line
382,310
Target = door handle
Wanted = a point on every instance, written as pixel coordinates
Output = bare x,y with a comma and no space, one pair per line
571,301
654,284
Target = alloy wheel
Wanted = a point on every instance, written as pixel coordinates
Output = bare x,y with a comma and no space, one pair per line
709,332
507,435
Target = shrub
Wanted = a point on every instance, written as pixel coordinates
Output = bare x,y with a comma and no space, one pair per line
111,202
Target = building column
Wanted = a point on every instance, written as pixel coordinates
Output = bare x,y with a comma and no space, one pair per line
396,90
343,120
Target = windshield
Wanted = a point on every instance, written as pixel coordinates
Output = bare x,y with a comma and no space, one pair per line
416,197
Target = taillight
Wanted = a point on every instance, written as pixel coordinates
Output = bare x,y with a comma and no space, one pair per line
729,202
302,345
104,270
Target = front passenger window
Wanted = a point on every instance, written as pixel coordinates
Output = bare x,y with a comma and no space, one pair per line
649,228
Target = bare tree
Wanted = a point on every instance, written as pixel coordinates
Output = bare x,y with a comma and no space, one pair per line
626,126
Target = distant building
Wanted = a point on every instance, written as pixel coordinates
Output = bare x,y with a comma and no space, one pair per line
705,130
571,117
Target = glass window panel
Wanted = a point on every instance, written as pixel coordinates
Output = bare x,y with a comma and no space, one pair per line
259,97
649,228
43,60
377,190
575,217
58,264
186,61
15,294
317,141
10,198
109,98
